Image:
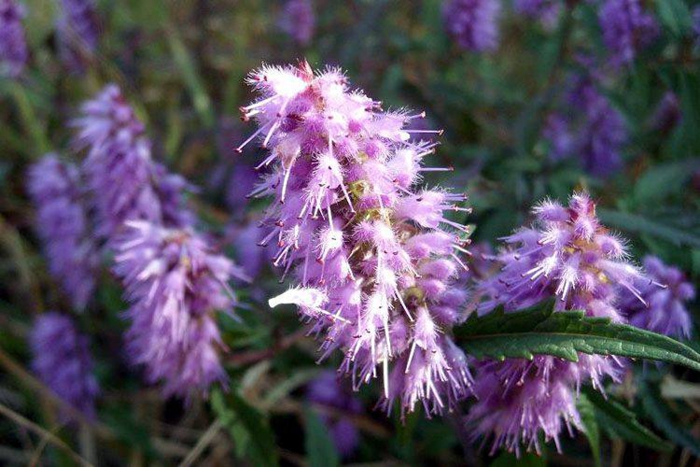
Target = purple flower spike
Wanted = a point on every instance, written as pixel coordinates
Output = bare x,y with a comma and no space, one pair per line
175,284
665,297
569,255
626,29
327,390
78,33
62,360
374,259
62,226
298,20
13,43
125,182
473,24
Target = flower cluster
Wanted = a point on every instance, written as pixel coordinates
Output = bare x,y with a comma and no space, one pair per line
78,33
62,226
665,296
173,280
374,261
569,255
175,284
298,20
327,391
595,132
473,23
627,28
62,360
125,182
13,43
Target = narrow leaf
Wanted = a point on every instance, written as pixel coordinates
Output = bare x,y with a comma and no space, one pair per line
320,450
251,434
586,411
675,15
663,179
662,417
640,225
528,459
186,64
541,331
622,422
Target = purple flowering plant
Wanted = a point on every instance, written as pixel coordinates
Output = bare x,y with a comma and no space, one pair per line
452,233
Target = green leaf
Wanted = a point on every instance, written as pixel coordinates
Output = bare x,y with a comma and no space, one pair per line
540,330
622,422
675,16
129,430
664,179
320,450
252,436
586,411
662,417
637,224
528,459
186,63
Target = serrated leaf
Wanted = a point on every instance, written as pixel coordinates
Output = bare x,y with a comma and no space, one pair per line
660,414
320,450
622,422
640,225
252,436
586,412
541,331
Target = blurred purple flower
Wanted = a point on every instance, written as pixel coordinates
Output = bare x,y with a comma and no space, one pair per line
125,182
473,24
627,29
234,175
13,43
175,284
78,33
594,131
62,360
245,240
298,20
62,226
558,133
327,390
547,11
375,258
665,298
602,134
569,255
240,183
696,24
